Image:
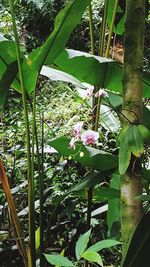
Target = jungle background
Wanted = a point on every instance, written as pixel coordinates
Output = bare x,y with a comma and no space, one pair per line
58,109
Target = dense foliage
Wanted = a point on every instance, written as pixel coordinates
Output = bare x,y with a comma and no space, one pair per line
64,149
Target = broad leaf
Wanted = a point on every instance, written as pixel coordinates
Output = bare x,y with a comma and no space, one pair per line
92,257
81,244
107,243
138,251
101,194
8,68
65,22
96,70
120,17
108,120
59,260
98,159
57,75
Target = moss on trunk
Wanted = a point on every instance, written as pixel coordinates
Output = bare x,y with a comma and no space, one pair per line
131,185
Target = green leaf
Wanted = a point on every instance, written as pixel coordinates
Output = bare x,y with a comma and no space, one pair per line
59,260
92,257
37,238
124,154
139,144
57,75
81,244
100,194
146,116
119,24
96,70
105,194
67,19
113,214
108,120
8,68
138,251
145,133
89,181
107,243
98,159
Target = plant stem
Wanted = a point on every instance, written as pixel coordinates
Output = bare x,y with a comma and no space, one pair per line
103,30
91,30
13,213
31,262
41,188
111,28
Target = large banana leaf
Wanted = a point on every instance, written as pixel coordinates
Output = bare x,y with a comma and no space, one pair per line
65,22
96,70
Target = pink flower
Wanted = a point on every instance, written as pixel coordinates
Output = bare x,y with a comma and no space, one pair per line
101,92
89,137
77,129
72,143
88,93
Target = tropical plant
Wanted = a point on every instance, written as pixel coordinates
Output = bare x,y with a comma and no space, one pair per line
97,72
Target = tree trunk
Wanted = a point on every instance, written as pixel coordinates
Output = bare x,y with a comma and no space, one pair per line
131,185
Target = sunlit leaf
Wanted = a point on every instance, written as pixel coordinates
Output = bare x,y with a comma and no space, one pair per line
96,70
37,238
103,244
65,22
92,257
81,244
98,159
59,260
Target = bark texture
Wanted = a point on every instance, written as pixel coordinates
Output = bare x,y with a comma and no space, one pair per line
131,185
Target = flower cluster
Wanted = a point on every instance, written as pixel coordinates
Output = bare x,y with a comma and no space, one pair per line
89,92
88,137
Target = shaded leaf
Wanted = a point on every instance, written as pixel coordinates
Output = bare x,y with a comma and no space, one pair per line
145,133
138,251
8,68
114,209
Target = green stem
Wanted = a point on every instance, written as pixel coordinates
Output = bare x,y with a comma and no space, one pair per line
32,180
103,29
91,30
111,28
24,99
41,188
